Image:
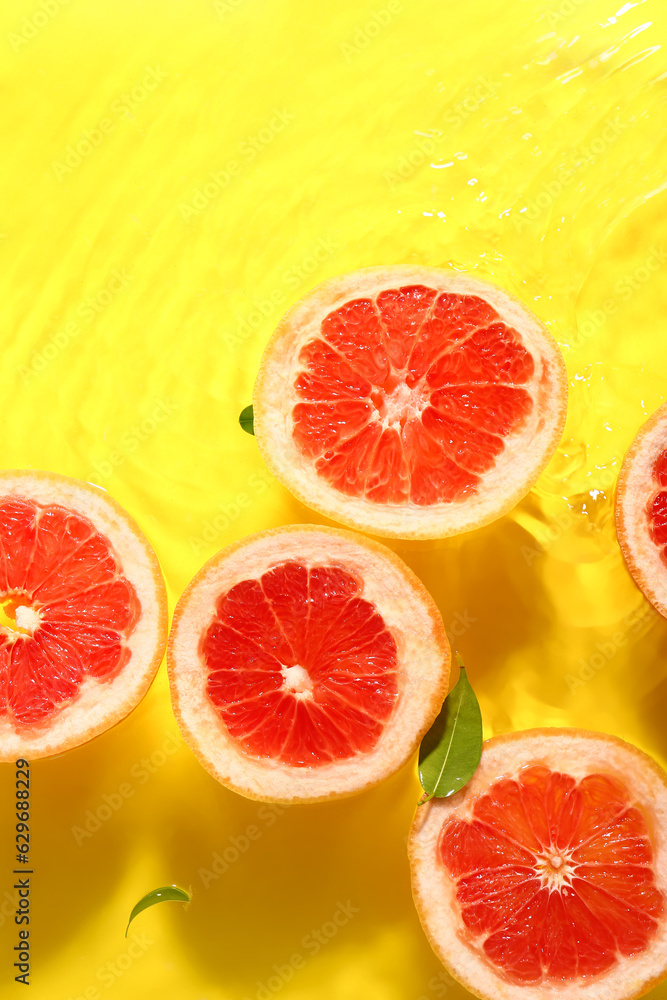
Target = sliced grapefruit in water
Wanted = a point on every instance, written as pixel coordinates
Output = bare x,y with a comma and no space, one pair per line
641,509
306,663
410,402
82,609
547,874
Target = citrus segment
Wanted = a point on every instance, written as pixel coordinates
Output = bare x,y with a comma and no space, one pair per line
641,509
549,870
404,406
83,622
306,663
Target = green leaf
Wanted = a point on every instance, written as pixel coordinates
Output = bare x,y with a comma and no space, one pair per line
247,419
165,894
451,750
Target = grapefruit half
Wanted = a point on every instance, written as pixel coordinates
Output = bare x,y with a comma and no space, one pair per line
641,509
83,608
410,402
547,874
306,663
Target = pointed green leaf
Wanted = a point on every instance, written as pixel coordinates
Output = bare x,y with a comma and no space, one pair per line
247,419
451,750
165,894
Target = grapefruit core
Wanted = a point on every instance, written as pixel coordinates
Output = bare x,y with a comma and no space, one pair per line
82,613
306,663
641,509
548,872
410,402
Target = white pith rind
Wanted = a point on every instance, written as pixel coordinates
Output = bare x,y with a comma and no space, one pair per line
409,613
517,468
575,752
99,704
636,487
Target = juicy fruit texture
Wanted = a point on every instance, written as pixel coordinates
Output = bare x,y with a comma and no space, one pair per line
301,668
657,506
70,606
554,876
408,396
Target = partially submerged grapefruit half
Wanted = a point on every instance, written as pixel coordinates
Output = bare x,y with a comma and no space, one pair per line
306,663
547,874
410,402
83,610
641,509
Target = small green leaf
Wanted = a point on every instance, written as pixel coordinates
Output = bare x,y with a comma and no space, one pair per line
247,419
165,894
451,750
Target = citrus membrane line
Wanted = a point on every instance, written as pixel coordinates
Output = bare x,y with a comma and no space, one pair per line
580,844
356,387
584,906
332,622
318,641
447,349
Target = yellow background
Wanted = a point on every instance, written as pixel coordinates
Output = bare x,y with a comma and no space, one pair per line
174,175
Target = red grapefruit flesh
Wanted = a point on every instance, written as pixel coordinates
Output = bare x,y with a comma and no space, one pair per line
306,663
555,874
641,509
84,613
402,401
550,877
657,506
301,668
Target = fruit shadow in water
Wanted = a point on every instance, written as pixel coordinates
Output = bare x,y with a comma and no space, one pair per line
492,600
267,879
491,596
81,843
651,650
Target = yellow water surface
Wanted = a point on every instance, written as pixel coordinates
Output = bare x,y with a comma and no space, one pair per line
175,173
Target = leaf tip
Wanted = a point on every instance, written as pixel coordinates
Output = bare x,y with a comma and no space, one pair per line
459,660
